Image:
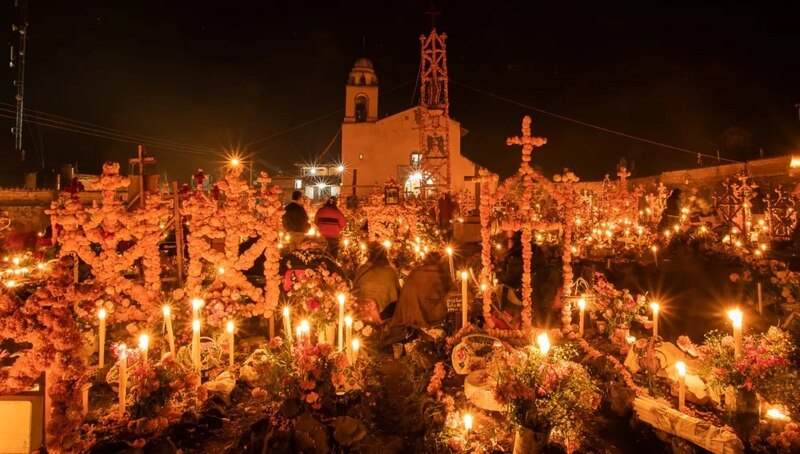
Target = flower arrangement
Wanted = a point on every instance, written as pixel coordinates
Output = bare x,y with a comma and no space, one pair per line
160,392
546,393
618,307
764,366
314,293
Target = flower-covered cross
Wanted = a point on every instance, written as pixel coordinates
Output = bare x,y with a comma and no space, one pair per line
526,140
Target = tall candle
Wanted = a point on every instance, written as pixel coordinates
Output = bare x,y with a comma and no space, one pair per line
355,346
655,308
655,254
196,343
144,345
197,303
449,251
681,367
101,314
340,297
123,378
760,301
464,298
85,399
737,318
287,325
582,307
348,338
229,328
305,327
170,333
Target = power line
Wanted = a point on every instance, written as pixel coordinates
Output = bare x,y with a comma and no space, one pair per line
589,125
325,151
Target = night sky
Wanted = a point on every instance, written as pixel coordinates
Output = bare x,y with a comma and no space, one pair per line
221,75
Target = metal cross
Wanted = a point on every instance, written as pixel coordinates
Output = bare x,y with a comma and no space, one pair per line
433,13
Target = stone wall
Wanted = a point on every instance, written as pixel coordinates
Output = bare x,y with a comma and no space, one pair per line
26,207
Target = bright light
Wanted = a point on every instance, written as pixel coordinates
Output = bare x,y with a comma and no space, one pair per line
101,314
235,162
348,320
144,342
166,311
196,325
387,244
197,303
16,260
736,317
286,311
340,297
681,367
312,171
777,414
655,307
631,339
340,169
464,275
311,232
40,266
544,343
11,284
467,422
449,250
415,176
304,325
322,185
221,270
229,326
582,304
795,162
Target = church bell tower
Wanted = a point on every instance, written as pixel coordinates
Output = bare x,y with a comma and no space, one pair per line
361,93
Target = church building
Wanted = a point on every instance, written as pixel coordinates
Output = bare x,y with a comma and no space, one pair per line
375,149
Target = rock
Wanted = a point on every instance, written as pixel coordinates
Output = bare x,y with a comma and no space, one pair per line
310,435
667,354
214,406
621,399
161,445
223,384
348,431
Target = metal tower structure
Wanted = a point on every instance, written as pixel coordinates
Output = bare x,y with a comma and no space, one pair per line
434,113
18,61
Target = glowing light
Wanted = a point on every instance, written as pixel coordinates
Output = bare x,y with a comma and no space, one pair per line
305,327
464,275
11,284
777,414
387,244
221,270
449,250
346,242
197,303
166,310
736,317
340,168
467,422
229,326
15,260
322,185
498,246
235,162
544,343
144,342
681,367
195,325
655,307
582,304
795,162
340,297
630,339
286,311
312,171
101,314
311,232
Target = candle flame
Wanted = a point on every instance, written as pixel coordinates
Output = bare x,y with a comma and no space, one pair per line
736,317
101,314
197,303
777,414
655,307
681,367
196,325
468,422
166,311
348,321
544,343
387,244
464,275
144,342
341,298
286,311
229,326
582,304
356,345
449,250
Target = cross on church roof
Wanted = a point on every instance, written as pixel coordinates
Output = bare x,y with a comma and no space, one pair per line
526,140
433,13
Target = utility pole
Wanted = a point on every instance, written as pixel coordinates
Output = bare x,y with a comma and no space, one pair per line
18,61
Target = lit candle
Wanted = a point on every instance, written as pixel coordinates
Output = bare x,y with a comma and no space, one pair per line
582,307
101,347
356,345
655,308
229,328
305,327
196,304
387,244
449,251
348,338
467,423
123,378
144,345
170,333
681,367
760,301
736,317
655,254
196,343
341,298
287,325
464,303
544,343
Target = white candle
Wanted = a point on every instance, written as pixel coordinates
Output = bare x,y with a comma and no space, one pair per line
655,307
170,333
582,307
287,325
123,378
544,343
196,344
449,251
464,299
655,254
305,327
341,298
356,345
197,303
85,399
681,367
760,301
229,328
736,317
101,347
348,338
144,345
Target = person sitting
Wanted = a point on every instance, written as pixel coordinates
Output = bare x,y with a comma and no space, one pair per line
422,302
310,255
376,285
330,222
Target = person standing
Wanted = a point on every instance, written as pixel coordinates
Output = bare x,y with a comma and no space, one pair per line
330,222
295,221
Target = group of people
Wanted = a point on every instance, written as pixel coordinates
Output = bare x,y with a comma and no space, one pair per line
419,302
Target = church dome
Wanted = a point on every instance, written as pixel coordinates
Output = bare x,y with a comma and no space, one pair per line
362,73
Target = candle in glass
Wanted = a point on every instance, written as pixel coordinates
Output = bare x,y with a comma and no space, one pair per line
341,298
449,251
287,325
123,378
681,368
582,307
348,337
655,307
464,298
170,333
144,345
229,329
736,317
101,314
196,343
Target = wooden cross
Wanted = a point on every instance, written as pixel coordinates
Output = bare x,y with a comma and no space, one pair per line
433,13
140,162
526,140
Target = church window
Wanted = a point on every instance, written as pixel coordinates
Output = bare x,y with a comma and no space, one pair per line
361,109
416,159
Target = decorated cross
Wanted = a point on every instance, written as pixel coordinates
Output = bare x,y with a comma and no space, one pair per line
526,140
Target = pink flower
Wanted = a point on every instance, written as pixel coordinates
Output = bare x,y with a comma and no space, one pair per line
312,397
